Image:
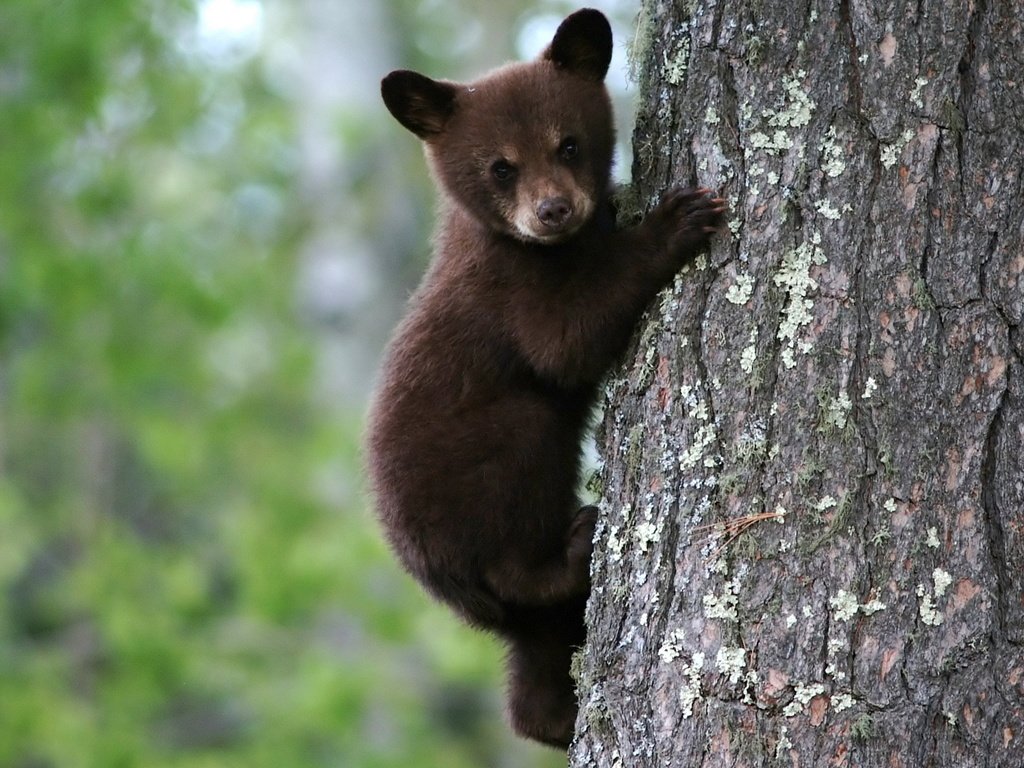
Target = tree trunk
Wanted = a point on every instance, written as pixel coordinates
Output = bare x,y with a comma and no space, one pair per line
812,544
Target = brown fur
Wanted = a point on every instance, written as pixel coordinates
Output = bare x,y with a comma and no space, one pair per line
475,428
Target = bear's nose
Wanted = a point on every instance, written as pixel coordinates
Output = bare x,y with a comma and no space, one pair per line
554,211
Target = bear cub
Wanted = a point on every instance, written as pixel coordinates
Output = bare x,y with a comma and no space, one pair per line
474,432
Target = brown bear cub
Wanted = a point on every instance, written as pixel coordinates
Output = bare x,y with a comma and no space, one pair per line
475,428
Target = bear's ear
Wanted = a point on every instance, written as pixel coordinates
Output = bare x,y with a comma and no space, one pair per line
420,104
583,44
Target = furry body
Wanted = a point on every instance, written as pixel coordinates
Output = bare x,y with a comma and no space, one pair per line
475,428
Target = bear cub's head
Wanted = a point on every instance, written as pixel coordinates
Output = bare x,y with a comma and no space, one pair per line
527,149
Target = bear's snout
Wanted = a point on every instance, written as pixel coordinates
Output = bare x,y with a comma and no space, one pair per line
554,212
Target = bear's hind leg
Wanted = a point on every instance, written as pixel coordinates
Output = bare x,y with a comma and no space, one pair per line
542,693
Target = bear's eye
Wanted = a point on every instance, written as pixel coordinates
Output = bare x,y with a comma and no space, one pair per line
568,149
503,170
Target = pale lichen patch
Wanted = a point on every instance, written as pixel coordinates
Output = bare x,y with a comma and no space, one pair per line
722,606
798,110
676,63
795,112
842,701
832,163
615,543
915,94
835,412
749,353
844,605
802,695
794,276
646,533
731,662
825,503
826,209
891,152
784,744
872,606
833,668
703,439
690,691
671,647
740,292
927,608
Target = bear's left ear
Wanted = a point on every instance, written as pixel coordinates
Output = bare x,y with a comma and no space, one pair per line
420,104
583,44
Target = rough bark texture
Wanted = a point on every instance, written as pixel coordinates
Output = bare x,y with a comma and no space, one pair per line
841,381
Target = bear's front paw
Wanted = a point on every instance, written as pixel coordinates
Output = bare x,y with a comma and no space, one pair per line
580,543
686,218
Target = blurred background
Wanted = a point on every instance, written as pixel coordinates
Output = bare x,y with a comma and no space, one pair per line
208,226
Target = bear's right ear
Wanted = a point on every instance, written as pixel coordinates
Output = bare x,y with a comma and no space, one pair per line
583,44
420,104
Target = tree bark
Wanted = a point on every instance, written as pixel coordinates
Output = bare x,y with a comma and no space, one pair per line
812,542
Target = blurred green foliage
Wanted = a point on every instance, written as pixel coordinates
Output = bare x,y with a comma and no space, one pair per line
188,573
